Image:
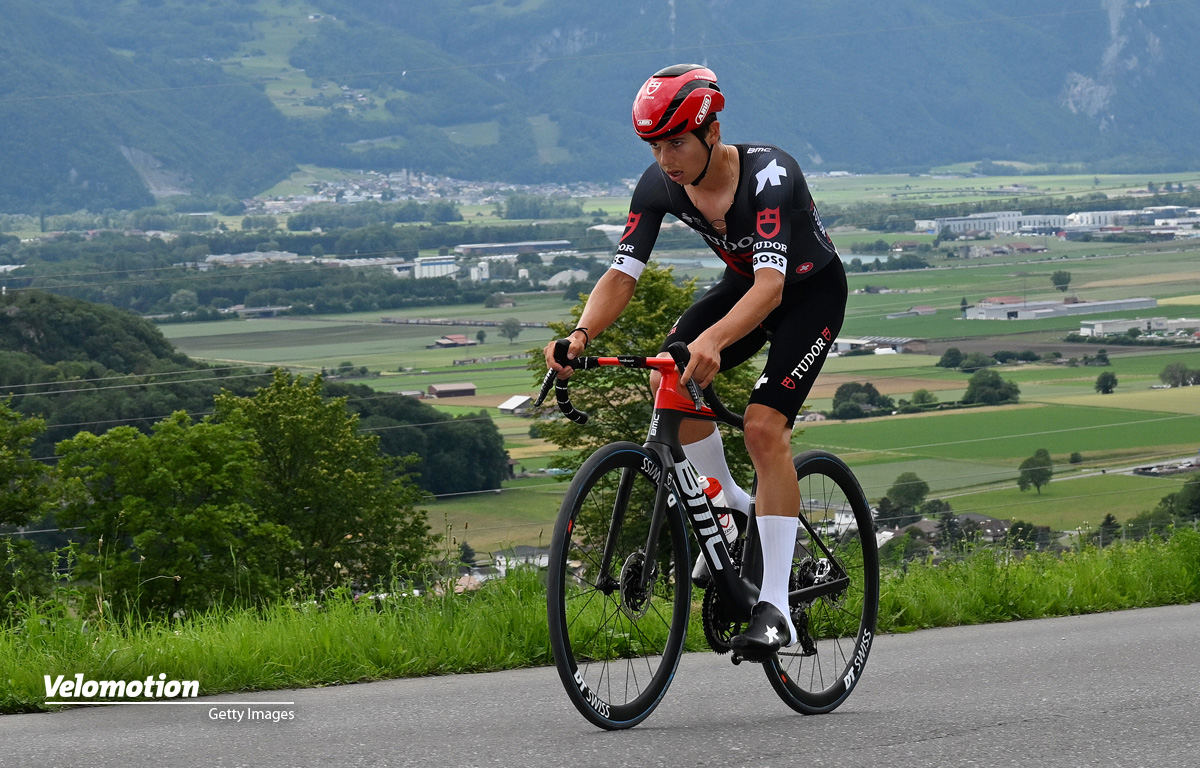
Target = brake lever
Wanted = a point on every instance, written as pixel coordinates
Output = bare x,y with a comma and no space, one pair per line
680,354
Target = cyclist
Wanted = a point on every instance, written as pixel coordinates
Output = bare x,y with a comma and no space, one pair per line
783,282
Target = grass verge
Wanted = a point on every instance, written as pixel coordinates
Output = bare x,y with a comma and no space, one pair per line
503,625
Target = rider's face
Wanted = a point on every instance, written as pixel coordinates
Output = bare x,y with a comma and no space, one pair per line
681,157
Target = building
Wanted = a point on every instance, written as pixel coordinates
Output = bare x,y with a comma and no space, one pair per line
1151,325
452,340
433,266
512,249
452,390
517,405
1005,308
917,311
565,277
539,557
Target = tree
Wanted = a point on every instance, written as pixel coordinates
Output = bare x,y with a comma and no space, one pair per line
963,306
167,519
924,397
949,531
352,511
951,358
22,478
1106,383
987,388
1109,530
618,399
908,491
184,300
23,497
1176,375
1061,279
976,360
1026,535
480,335
510,328
1036,471
861,395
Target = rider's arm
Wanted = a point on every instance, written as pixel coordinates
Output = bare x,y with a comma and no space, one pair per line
604,305
615,288
746,315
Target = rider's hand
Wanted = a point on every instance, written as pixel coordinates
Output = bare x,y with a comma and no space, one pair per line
705,362
577,344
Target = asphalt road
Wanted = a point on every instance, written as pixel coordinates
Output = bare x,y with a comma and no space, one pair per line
1117,689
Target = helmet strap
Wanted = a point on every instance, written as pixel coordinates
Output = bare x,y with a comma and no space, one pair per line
707,146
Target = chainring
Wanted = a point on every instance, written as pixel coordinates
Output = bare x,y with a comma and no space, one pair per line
718,628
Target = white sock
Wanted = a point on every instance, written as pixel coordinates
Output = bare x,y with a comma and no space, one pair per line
708,457
778,537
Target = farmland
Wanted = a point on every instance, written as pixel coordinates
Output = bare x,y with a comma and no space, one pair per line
969,457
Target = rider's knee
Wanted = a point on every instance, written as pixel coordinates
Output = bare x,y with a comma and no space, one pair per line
766,433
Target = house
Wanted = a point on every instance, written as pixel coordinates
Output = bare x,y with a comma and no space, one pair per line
927,529
451,340
989,528
539,557
517,405
451,390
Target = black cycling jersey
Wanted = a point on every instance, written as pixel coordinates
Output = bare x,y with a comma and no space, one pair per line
771,224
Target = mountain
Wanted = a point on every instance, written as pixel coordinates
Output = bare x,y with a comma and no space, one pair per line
108,103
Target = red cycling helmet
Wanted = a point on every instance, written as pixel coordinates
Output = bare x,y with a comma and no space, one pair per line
676,100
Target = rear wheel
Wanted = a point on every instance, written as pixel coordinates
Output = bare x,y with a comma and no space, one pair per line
836,541
616,636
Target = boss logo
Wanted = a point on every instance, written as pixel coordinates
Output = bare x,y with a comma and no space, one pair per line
772,259
618,260
704,108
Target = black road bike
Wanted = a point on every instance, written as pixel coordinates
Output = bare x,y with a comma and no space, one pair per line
620,588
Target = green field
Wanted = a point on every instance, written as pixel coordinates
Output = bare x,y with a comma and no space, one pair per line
968,456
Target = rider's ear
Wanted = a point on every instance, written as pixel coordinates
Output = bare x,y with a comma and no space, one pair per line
714,132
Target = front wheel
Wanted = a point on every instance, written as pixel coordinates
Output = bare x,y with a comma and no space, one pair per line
616,635
835,543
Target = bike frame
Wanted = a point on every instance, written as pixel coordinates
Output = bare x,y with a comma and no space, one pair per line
738,591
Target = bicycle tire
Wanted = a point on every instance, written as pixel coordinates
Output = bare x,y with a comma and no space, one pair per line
616,650
838,629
